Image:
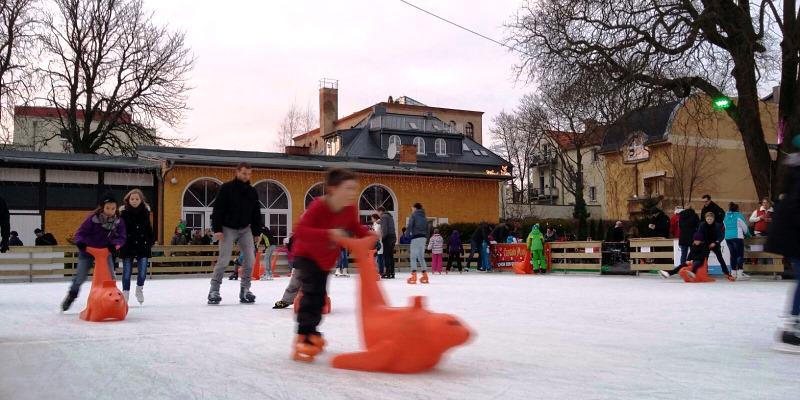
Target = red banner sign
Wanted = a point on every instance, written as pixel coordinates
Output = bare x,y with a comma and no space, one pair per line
503,255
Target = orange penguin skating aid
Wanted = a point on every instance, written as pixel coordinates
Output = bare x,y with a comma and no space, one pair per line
105,300
258,269
397,339
701,275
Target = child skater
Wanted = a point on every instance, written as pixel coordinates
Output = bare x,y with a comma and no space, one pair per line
316,249
138,242
436,246
455,249
103,228
698,253
341,264
535,244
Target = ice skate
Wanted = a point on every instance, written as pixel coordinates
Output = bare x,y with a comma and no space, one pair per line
730,278
412,280
344,273
246,296
280,304
266,278
788,338
664,274
424,278
139,294
65,305
691,275
214,298
741,276
338,272
126,294
304,349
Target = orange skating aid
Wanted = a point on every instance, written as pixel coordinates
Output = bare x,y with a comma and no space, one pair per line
397,339
524,266
105,300
258,269
701,275
326,309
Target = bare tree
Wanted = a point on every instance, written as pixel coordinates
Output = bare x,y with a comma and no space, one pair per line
712,46
516,138
112,74
298,120
17,50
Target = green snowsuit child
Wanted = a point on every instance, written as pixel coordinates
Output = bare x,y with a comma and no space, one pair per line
535,244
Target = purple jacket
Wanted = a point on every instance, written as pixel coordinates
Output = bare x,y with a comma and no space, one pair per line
92,234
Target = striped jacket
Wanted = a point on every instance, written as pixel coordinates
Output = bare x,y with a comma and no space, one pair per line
436,244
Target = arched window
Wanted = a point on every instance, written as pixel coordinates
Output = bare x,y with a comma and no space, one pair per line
420,145
314,192
275,208
396,140
441,147
469,130
375,196
198,203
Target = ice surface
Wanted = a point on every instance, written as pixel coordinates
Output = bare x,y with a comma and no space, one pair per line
551,337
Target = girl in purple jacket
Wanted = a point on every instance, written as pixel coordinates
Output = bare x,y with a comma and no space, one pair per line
102,229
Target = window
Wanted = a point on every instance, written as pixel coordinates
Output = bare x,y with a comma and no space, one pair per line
198,203
441,147
372,197
333,145
413,125
541,180
464,147
397,143
315,191
274,208
592,193
469,130
420,143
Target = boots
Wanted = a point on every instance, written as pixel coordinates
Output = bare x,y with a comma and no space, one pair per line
139,294
306,347
126,294
412,280
741,276
424,278
68,301
246,296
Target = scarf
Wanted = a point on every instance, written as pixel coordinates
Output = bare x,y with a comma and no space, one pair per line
108,223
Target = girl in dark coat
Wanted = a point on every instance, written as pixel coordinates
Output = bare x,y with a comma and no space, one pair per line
455,249
136,215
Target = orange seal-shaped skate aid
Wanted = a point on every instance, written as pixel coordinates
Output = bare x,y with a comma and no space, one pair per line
105,300
699,277
398,340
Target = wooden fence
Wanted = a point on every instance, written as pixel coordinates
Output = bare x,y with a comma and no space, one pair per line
580,256
651,254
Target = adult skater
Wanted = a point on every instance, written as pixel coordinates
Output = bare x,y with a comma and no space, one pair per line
418,229
236,218
316,249
475,243
784,239
388,240
5,225
294,282
103,228
736,230
139,242
535,243
710,206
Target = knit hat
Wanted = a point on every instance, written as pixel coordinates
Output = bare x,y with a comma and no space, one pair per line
698,236
107,197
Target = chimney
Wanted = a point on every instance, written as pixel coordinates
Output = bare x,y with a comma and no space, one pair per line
328,105
297,150
776,94
408,154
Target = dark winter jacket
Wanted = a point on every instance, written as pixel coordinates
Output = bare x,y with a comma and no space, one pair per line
5,223
698,252
714,233
454,245
237,207
14,241
417,224
265,231
387,226
46,239
480,234
500,233
139,232
784,230
688,226
93,232
662,225
719,213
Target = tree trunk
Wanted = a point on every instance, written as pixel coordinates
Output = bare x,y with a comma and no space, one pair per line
788,106
579,211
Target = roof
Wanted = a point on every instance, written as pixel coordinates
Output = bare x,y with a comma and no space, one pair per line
386,105
566,140
53,112
653,121
38,158
196,156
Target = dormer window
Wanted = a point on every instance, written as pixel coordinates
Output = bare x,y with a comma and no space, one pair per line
441,147
420,145
394,139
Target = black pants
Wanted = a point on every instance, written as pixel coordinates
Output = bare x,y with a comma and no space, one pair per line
454,257
473,249
314,285
718,252
388,254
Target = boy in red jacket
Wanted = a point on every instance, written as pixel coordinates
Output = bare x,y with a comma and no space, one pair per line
316,250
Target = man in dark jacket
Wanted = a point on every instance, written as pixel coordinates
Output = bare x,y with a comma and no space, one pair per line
687,225
388,239
500,233
784,238
44,238
5,225
713,234
710,206
236,219
475,243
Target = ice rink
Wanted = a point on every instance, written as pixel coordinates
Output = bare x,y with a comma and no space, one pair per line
550,337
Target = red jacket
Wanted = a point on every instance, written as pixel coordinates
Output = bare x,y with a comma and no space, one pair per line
762,225
674,226
311,240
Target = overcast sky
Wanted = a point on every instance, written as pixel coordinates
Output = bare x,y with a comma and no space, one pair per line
254,58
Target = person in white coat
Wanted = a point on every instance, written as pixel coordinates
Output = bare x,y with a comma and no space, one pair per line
376,227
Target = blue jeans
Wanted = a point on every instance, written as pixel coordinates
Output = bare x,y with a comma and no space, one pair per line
418,254
684,255
795,261
379,262
141,272
485,256
343,262
86,261
736,248
268,261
